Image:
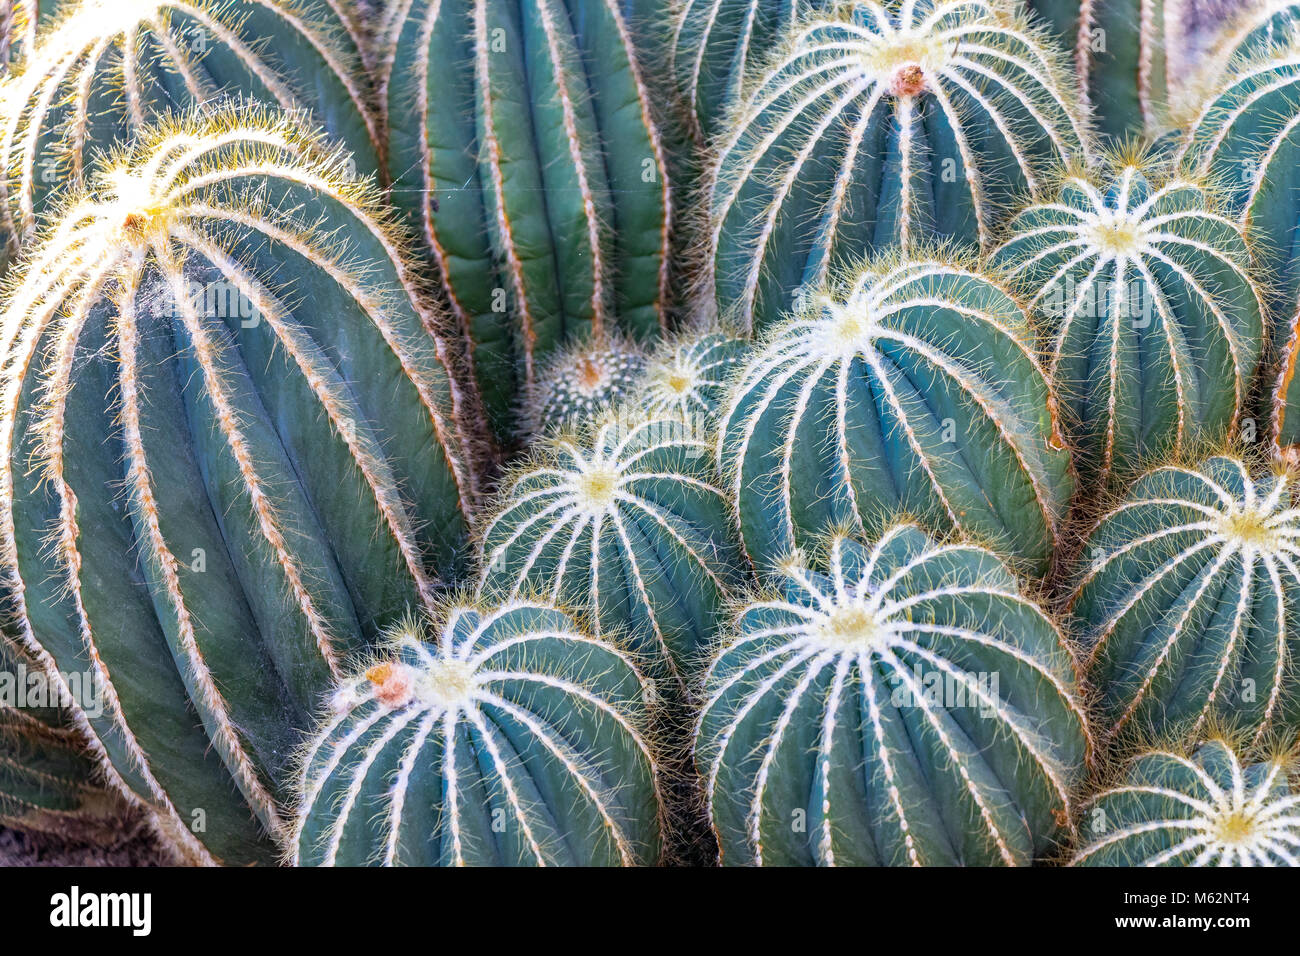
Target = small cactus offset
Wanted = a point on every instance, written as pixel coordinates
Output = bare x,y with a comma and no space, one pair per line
717,43
579,382
626,522
913,387
689,376
1211,807
507,738
106,68
910,706
522,147
1186,602
232,453
1153,321
876,127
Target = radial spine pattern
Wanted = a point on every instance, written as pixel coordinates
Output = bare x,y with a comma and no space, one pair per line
523,149
110,67
1209,808
881,126
688,377
230,452
626,522
1153,322
513,739
854,718
914,388
1186,601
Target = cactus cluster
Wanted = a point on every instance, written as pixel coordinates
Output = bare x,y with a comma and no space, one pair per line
630,432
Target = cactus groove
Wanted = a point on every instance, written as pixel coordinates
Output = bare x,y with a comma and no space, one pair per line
108,68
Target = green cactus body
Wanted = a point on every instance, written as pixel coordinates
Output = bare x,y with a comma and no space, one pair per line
19,20
1257,29
522,147
514,739
880,129
1247,136
48,780
1209,808
864,700
232,453
1121,61
110,67
1187,602
581,381
716,44
627,523
1153,322
914,389
688,377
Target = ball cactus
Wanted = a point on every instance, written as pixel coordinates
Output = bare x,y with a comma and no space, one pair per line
1206,808
580,381
716,44
110,67
232,453
914,387
881,126
1186,601
522,147
512,738
688,376
1153,321
910,706
627,522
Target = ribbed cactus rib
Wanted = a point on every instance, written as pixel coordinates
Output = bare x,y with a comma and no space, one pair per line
1151,317
628,523
232,453
513,739
853,719
717,44
110,67
1121,58
915,388
887,126
523,149
1255,29
1209,808
1186,602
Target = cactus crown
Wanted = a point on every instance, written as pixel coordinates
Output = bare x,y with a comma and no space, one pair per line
581,381
498,735
688,376
1206,808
